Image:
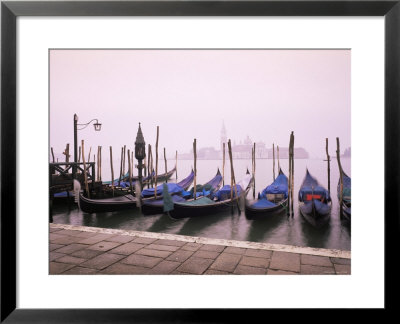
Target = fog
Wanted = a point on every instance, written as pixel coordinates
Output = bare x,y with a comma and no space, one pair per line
263,94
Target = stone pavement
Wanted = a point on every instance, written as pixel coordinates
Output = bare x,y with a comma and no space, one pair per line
90,250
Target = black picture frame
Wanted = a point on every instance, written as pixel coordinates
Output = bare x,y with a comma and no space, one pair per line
10,10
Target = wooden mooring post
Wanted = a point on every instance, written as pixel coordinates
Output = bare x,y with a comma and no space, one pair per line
277,152
254,170
120,168
112,170
155,179
223,164
328,159
84,168
176,165
233,180
130,171
165,162
292,175
273,158
341,176
195,169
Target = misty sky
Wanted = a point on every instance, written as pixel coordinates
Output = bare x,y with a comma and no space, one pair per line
264,94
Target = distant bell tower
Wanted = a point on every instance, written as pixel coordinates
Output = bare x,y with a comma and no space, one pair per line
224,138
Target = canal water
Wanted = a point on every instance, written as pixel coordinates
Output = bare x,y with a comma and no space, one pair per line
278,229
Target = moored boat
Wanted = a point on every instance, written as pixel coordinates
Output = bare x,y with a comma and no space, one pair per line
272,200
218,202
151,207
346,202
314,201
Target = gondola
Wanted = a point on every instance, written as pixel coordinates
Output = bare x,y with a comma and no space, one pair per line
272,200
346,203
124,182
128,201
314,201
218,202
151,207
173,188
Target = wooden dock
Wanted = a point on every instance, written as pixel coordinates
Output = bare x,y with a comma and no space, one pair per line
91,250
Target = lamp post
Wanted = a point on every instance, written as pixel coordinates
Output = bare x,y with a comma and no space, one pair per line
97,128
140,152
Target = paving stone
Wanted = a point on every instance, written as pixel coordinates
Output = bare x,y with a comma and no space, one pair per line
102,261
154,253
142,260
316,270
127,248
258,253
121,268
163,247
53,246
104,246
86,254
191,246
176,272
65,239
170,242
164,267
52,229
211,247
58,268
195,265
234,250
280,272
246,270
341,261
342,269
206,254
80,271
254,262
144,240
54,236
70,232
71,248
226,262
180,256
70,259
96,238
55,255
285,261
120,238
83,234
216,272
315,260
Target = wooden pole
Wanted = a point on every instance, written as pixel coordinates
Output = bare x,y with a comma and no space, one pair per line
176,165
155,185
150,166
123,163
148,160
341,176
277,151
132,164
233,181
292,185
165,162
84,168
195,168
290,177
112,170
130,171
120,168
52,154
328,159
90,150
254,171
223,164
273,158
100,164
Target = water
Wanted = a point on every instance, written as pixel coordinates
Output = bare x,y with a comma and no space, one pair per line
278,229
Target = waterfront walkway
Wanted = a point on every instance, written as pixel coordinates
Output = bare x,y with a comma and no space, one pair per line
91,250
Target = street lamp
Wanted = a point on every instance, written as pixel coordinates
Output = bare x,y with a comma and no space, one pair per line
97,128
140,151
